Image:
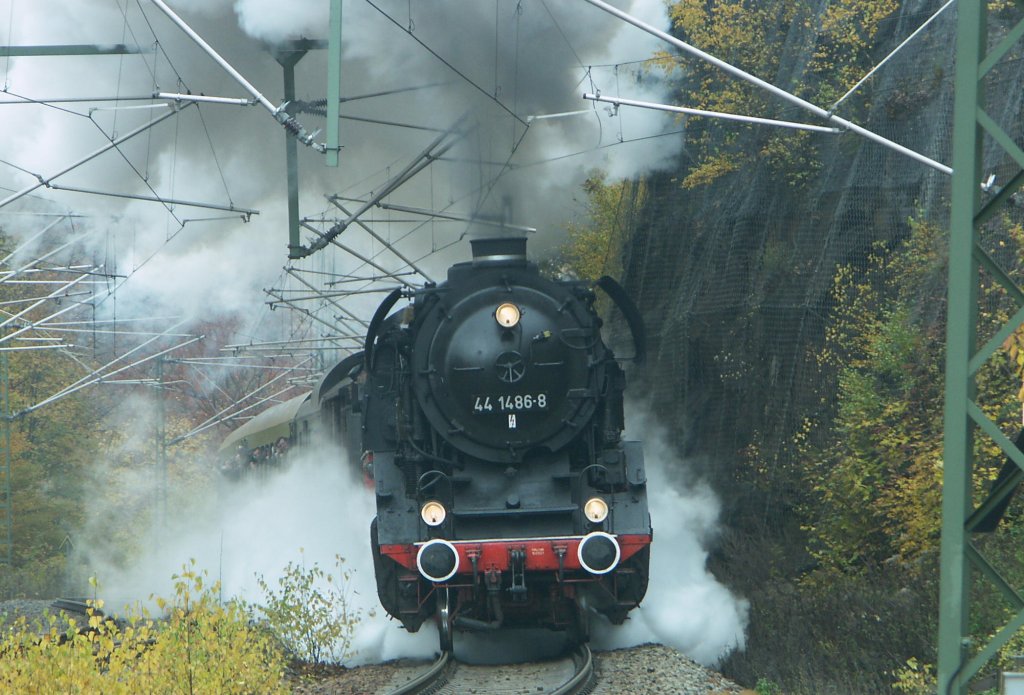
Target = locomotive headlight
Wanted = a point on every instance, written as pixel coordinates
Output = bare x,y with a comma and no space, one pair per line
596,510
433,513
507,315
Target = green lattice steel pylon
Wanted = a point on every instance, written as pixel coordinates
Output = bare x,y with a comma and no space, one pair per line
959,658
6,500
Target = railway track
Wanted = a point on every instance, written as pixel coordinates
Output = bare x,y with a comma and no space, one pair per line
572,674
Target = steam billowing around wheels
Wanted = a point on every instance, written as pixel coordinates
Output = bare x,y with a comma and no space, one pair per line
487,413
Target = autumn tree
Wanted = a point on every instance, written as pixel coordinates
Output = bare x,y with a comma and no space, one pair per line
755,36
597,236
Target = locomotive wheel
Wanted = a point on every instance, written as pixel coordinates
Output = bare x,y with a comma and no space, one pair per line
444,619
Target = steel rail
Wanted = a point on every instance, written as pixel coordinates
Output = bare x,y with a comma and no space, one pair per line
437,677
429,679
584,673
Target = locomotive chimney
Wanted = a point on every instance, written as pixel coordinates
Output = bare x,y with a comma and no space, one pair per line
499,251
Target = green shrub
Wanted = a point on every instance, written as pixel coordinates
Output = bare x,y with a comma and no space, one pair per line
915,678
310,612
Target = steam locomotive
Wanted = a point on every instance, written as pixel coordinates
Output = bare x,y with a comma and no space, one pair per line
488,413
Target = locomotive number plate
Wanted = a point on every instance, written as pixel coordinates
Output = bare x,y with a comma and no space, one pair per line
522,402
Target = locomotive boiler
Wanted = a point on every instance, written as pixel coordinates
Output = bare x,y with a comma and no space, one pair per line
492,415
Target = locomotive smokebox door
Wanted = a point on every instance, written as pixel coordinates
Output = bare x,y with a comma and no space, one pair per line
504,361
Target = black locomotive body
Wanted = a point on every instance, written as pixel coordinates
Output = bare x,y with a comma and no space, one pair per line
492,411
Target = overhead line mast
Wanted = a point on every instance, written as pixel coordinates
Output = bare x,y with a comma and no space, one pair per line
961,654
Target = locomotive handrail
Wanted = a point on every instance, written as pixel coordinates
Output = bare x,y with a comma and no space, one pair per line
629,309
376,321
430,480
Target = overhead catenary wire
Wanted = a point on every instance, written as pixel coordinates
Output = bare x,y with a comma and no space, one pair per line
306,312
447,64
283,117
127,354
457,218
368,261
896,50
772,89
391,247
56,293
44,181
28,266
347,312
203,99
98,377
323,295
288,342
427,156
9,302
217,418
222,365
372,255
710,114
227,418
158,199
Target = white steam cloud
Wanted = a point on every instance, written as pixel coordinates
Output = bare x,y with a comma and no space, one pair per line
306,514
685,607
506,64
319,506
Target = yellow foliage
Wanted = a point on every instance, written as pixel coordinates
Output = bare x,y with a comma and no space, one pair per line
878,483
202,647
752,36
595,243
915,678
712,168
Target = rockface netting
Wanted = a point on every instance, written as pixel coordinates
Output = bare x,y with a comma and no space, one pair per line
734,277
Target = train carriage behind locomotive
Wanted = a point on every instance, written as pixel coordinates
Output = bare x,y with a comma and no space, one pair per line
331,412
493,412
